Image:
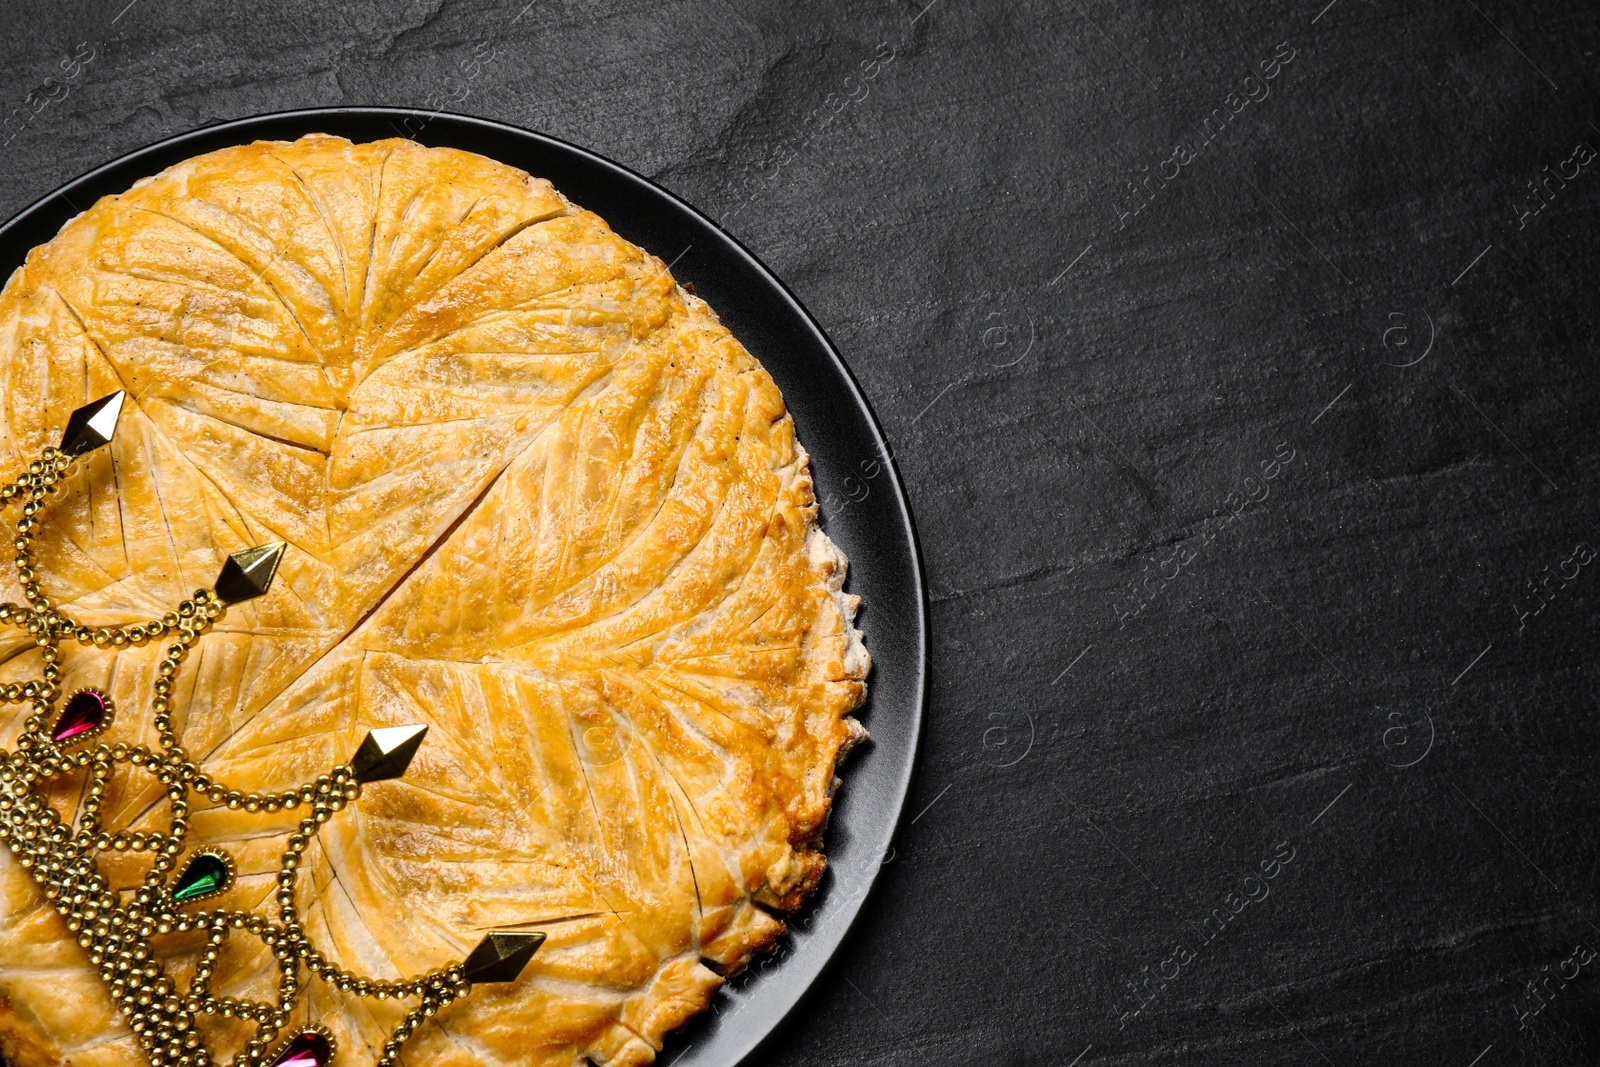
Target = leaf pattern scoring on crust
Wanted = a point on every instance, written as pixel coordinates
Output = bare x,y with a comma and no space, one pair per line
537,496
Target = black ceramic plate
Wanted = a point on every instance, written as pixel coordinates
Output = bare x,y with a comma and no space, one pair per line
863,506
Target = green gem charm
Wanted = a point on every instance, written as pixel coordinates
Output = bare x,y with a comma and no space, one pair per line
206,874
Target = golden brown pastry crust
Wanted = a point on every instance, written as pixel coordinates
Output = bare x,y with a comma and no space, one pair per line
536,496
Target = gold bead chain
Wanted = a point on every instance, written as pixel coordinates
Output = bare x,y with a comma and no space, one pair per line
116,929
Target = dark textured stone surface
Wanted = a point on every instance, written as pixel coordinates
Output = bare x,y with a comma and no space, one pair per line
1073,396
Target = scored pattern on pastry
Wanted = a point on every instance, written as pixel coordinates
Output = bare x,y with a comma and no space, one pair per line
536,496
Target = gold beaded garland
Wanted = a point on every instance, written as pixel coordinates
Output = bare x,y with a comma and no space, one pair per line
116,936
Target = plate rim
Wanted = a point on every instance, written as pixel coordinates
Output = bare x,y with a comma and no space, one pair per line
916,707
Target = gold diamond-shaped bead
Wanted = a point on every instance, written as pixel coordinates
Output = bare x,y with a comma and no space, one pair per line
386,752
501,955
92,425
248,574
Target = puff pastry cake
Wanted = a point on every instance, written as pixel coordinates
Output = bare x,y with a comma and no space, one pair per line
536,496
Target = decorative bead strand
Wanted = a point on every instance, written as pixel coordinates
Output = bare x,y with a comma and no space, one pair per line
117,936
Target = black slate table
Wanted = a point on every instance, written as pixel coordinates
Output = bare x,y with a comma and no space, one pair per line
1240,364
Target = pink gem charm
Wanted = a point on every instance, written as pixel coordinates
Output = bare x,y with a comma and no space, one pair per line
309,1048
85,713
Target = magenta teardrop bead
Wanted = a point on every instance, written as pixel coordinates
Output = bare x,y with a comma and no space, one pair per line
308,1049
86,711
